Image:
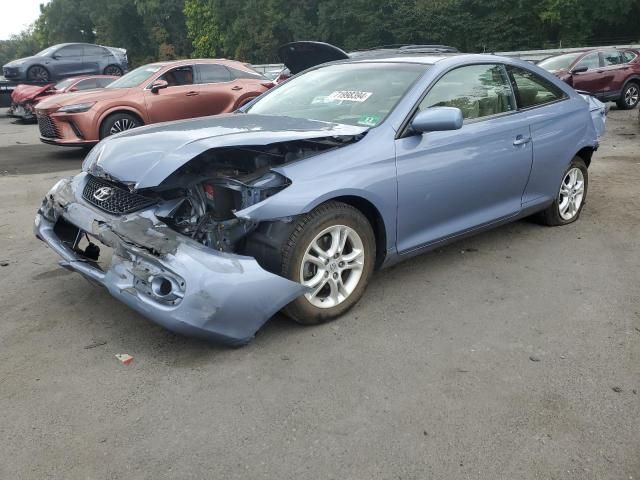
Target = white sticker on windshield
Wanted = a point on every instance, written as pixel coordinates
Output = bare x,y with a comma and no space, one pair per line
349,95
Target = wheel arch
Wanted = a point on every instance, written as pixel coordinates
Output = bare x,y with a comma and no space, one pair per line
585,154
373,215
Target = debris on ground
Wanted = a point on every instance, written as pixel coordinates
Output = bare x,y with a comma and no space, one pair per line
4,263
125,358
284,357
616,389
533,358
94,345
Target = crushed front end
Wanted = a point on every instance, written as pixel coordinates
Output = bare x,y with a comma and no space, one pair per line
174,249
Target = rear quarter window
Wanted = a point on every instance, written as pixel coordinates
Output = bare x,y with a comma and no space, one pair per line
532,90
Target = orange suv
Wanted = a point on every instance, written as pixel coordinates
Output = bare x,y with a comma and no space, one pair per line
157,92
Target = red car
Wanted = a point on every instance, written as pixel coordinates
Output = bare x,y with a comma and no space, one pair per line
610,74
25,97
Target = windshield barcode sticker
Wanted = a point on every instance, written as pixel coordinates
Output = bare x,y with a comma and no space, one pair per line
349,95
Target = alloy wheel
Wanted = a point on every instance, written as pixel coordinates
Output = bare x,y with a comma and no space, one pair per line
632,95
113,70
571,194
332,266
38,74
121,125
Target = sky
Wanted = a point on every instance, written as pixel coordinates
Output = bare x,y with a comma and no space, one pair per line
17,15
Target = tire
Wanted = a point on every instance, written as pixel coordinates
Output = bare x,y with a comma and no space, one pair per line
562,211
38,73
630,96
118,122
113,70
318,226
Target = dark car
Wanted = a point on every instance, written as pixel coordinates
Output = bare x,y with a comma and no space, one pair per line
610,74
67,60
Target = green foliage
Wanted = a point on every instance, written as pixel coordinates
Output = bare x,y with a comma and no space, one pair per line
251,30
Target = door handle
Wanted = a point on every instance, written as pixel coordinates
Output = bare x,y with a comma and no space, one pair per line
236,88
192,94
521,140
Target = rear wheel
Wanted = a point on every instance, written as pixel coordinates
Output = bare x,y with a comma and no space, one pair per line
118,122
571,196
38,73
113,70
630,96
331,251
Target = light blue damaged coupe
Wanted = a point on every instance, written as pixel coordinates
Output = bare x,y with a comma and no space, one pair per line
211,226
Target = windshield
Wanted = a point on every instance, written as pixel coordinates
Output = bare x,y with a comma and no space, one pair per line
64,84
135,77
352,93
561,62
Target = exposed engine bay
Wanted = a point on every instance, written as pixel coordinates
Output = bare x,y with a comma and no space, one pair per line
200,199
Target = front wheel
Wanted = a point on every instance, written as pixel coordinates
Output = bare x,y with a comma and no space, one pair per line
630,96
331,251
571,196
38,73
118,122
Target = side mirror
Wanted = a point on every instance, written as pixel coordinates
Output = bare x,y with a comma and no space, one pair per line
582,69
437,119
158,85
55,56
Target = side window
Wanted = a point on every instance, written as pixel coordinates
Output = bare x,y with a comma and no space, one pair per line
86,84
628,56
94,51
533,90
103,82
179,76
590,61
212,73
612,57
477,90
70,51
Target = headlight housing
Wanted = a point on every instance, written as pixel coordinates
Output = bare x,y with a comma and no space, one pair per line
76,108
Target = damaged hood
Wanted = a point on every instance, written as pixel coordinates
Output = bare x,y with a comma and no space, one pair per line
23,93
145,156
298,56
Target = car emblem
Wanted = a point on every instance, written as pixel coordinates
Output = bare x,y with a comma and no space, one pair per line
103,193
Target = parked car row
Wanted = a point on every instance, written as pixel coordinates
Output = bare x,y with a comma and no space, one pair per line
290,203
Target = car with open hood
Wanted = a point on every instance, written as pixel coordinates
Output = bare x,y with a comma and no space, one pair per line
25,97
609,74
153,93
67,60
210,226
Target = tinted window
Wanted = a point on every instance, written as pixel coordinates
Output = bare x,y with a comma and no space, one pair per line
477,90
590,61
70,51
353,94
211,73
532,90
628,56
93,51
178,76
612,57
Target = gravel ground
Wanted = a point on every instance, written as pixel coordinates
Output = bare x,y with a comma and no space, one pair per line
513,354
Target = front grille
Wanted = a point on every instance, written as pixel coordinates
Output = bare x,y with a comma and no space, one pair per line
47,126
112,198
